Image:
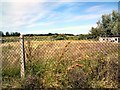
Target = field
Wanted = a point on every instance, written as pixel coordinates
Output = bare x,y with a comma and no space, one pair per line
61,64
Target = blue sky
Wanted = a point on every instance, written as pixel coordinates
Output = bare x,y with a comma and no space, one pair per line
53,17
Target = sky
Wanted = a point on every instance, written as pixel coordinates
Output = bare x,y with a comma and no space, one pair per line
61,16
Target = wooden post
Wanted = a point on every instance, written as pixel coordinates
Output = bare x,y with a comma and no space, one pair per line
22,56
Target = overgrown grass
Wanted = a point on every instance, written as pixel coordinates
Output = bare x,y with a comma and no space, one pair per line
62,64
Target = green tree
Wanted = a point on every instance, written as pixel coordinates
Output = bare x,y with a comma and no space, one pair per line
7,34
16,34
108,25
1,33
115,24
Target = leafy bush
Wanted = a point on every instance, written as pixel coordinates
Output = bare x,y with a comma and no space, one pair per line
59,37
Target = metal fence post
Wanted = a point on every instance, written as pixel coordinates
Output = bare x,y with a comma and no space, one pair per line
1,58
22,56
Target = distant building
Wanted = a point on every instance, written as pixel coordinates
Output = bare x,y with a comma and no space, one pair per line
115,39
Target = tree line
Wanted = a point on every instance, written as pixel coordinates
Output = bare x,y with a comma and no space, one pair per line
49,34
9,34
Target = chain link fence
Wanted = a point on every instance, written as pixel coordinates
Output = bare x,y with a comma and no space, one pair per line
59,63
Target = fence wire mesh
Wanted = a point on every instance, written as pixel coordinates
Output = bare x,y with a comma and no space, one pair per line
60,63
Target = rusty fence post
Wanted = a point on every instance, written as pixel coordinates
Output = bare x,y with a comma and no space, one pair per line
22,57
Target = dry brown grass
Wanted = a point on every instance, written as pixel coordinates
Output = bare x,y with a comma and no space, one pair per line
75,51
51,60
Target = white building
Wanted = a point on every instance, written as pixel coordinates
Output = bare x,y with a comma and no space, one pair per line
115,39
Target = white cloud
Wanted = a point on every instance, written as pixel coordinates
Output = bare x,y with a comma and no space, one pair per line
17,13
44,11
81,29
84,17
99,9
69,19
95,8
40,24
23,13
